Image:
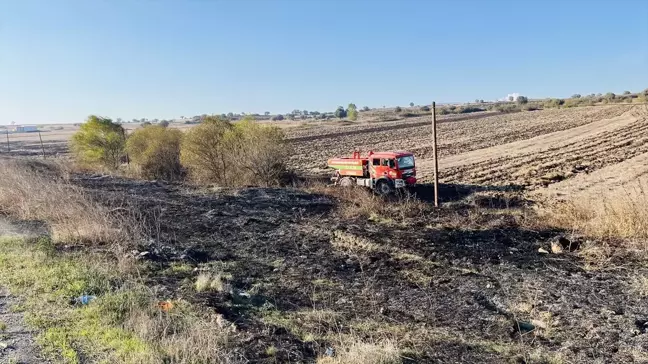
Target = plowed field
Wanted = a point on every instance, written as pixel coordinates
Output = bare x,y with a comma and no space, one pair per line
528,149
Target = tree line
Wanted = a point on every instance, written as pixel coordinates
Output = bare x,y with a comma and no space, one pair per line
214,152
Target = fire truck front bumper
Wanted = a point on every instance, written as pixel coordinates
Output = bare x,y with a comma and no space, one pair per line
410,181
400,183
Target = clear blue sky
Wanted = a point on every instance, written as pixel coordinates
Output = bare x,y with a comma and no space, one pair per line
63,60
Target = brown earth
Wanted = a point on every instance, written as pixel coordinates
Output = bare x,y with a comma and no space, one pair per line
552,157
468,133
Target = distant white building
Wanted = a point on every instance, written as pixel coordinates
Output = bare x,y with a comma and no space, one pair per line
25,129
513,95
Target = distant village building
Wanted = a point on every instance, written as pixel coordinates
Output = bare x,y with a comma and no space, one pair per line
25,129
513,95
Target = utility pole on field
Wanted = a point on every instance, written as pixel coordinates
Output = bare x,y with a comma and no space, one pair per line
434,154
41,141
8,147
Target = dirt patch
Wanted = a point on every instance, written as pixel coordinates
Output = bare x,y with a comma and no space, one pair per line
17,344
591,185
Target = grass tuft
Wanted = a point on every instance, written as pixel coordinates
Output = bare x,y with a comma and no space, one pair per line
359,352
211,282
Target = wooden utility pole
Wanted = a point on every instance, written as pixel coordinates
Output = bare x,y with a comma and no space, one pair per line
8,147
434,154
41,141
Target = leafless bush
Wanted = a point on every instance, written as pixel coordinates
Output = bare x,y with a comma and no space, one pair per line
31,190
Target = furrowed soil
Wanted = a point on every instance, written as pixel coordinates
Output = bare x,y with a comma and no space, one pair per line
556,156
457,135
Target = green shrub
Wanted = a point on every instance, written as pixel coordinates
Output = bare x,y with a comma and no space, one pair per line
468,109
398,109
225,154
340,113
205,149
156,150
554,103
99,142
508,108
522,100
352,112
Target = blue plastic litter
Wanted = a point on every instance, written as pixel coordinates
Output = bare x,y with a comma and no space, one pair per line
85,299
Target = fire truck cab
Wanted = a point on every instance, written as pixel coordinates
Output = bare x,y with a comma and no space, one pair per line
383,172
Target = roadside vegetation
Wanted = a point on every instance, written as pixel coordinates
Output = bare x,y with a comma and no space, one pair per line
246,153
39,191
99,142
155,150
88,301
215,152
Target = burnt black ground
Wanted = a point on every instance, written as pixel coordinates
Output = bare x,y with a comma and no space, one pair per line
276,243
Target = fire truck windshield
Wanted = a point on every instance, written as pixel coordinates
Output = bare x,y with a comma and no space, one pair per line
406,162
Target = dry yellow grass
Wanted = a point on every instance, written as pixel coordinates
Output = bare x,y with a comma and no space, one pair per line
34,190
355,202
353,244
184,337
639,285
353,351
620,213
211,282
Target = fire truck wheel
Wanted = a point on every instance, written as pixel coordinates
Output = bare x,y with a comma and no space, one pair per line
346,182
383,187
